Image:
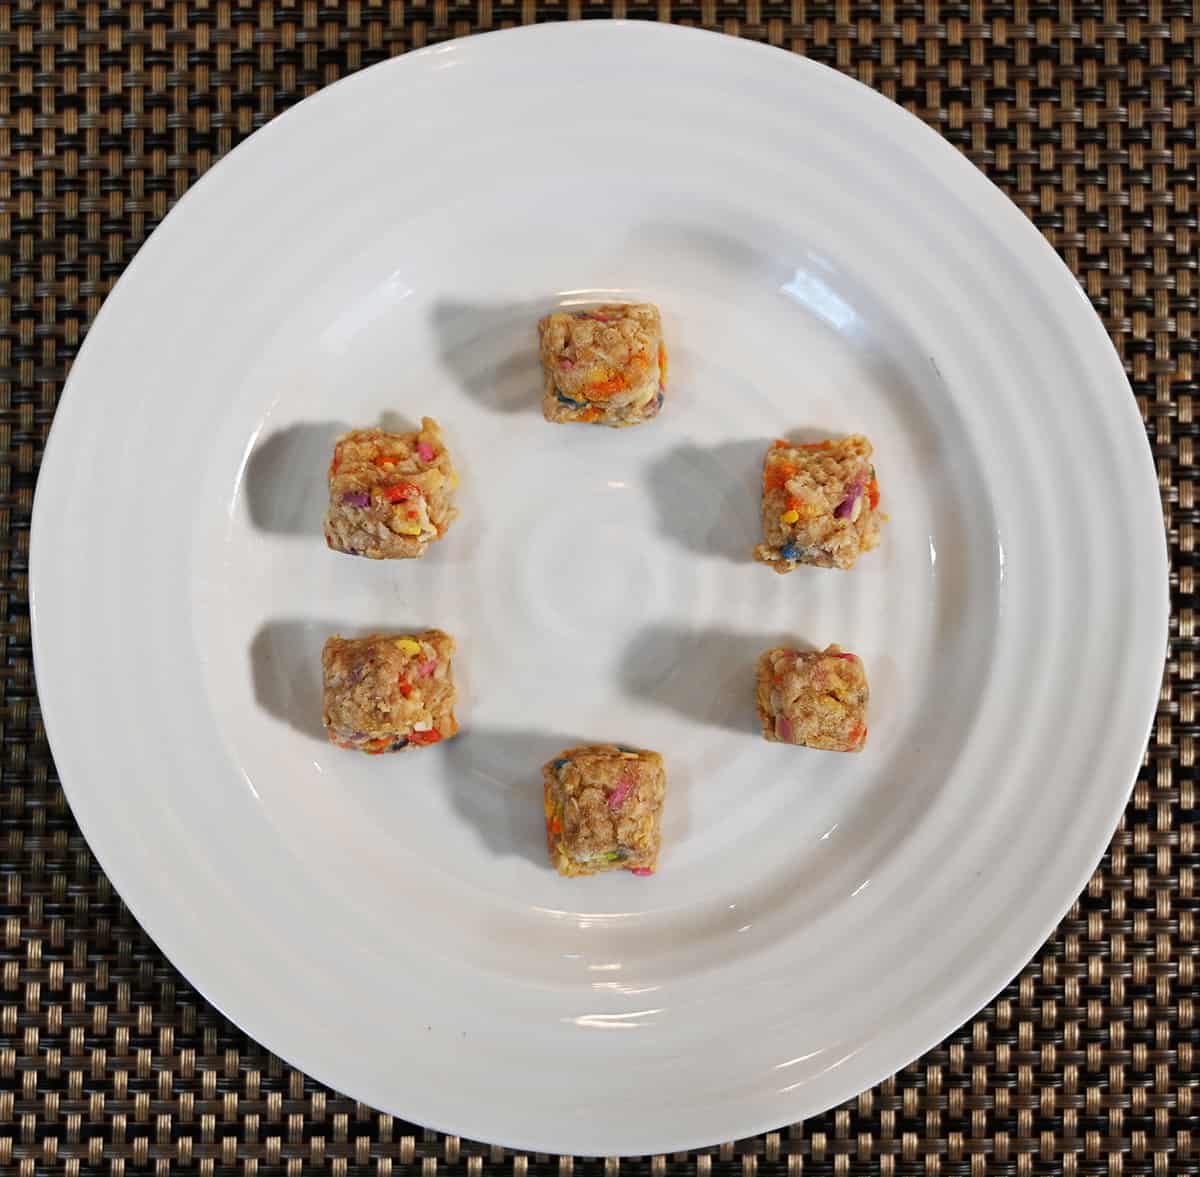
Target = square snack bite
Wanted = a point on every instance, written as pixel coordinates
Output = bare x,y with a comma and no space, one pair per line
820,504
818,699
603,805
388,692
389,493
604,366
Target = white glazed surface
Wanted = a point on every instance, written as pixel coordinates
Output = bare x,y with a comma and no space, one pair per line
824,264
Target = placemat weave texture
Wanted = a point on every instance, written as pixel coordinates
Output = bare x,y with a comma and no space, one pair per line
1085,114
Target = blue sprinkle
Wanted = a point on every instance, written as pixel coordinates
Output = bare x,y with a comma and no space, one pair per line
625,748
660,400
558,765
398,745
789,552
566,400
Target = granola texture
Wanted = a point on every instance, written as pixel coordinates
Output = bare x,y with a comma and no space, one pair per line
820,504
603,804
388,692
603,366
389,493
818,699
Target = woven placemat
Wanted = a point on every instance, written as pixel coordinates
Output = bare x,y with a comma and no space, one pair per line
1086,115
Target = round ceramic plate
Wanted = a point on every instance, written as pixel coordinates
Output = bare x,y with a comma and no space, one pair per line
824,264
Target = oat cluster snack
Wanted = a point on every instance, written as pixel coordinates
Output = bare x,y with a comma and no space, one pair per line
604,366
815,699
389,493
389,498
603,804
820,504
388,692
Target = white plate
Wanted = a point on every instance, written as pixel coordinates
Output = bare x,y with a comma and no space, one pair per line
824,263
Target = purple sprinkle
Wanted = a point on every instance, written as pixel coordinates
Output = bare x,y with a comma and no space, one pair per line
843,509
358,735
357,498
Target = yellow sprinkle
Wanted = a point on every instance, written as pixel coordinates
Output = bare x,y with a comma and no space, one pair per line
789,516
408,646
409,528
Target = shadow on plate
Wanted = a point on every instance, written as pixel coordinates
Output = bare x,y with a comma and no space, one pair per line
495,785
706,675
285,480
707,498
491,350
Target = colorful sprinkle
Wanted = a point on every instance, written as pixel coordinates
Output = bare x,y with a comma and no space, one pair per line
783,729
408,646
566,362
426,668
559,765
409,528
356,498
617,797
566,400
425,451
406,688
642,870
605,388
789,516
430,737
401,492
873,492
790,552
398,745
845,509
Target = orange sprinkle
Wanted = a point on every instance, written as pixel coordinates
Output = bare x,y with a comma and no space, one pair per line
400,492
405,688
776,475
386,461
873,493
662,366
556,825
858,736
411,514
794,503
430,737
590,415
617,383
815,445
779,444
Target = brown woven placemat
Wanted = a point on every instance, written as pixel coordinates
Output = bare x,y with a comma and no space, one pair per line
1086,114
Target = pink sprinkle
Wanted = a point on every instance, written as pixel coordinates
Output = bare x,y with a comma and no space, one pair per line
783,729
566,362
600,316
424,451
848,657
427,668
642,870
617,797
